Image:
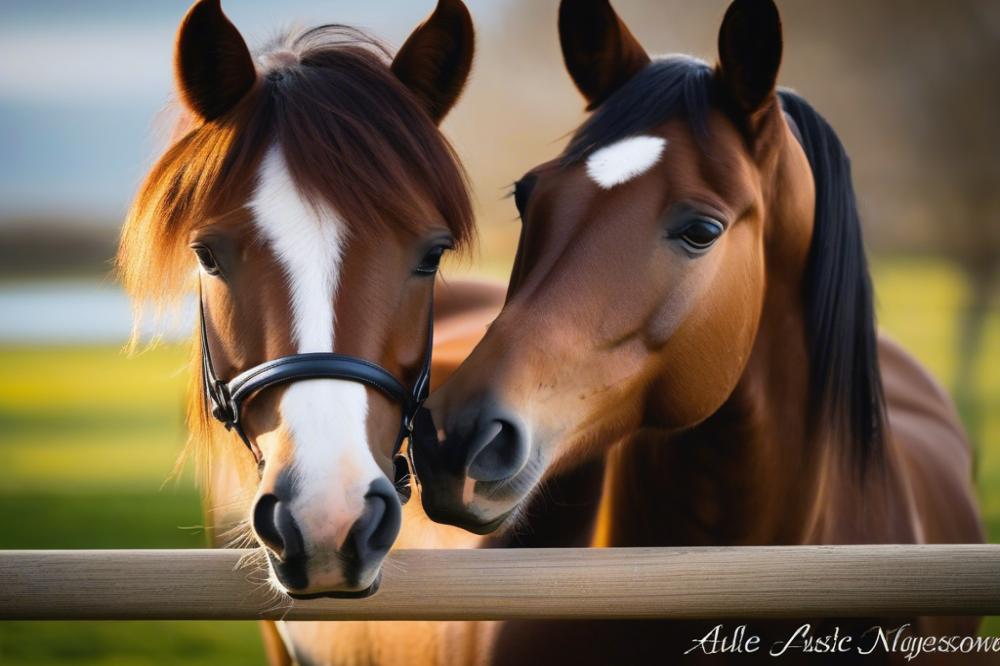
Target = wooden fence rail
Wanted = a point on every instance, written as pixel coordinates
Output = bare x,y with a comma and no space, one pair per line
755,582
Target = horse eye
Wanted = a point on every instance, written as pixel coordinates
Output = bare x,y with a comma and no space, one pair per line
429,264
699,235
206,259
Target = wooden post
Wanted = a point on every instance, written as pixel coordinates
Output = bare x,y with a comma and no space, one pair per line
755,582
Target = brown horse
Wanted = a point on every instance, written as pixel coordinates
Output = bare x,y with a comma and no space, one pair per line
307,199
691,304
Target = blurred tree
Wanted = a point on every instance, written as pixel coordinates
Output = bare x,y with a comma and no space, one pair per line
953,50
934,65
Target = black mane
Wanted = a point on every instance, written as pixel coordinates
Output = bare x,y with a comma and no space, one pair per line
845,381
840,308
666,88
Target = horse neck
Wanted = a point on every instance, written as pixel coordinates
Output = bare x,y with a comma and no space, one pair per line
749,474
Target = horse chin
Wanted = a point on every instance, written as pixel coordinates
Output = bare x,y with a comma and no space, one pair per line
487,527
448,499
293,578
361,593
462,516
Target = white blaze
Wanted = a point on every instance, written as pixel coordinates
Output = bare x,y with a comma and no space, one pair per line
624,160
307,243
325,417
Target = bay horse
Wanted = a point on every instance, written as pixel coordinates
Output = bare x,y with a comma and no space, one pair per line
690,303
307,200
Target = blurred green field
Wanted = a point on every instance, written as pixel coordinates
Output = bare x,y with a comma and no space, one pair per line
88,438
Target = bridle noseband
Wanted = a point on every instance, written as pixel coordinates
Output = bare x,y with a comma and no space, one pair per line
226,399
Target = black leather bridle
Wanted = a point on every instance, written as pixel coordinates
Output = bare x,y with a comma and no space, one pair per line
226,399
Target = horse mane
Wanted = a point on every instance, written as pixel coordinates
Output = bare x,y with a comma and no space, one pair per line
666,88
840,307
355,140
354,137
845,380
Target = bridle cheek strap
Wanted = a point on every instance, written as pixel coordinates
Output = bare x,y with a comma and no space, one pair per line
226,399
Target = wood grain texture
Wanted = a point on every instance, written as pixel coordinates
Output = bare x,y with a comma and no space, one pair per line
755,582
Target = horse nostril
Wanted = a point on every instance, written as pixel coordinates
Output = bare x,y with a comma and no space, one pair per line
497,452
265,525
275,526
374,532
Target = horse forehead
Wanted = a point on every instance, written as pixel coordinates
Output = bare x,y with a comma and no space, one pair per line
671,150
307,239
640,152
626,159
714,167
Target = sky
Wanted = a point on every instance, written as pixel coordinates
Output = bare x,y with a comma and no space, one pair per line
82,85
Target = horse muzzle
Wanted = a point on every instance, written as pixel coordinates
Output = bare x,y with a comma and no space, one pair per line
306,568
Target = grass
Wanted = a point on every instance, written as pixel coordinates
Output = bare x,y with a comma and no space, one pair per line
131,643
88,438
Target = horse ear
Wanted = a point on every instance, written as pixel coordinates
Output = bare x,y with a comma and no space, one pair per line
212,63
599,51
750,52
435,60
